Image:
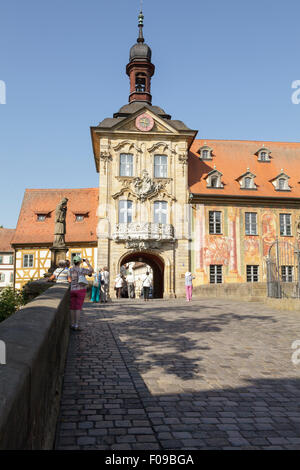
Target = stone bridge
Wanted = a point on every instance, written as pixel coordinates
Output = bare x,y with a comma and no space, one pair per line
161,375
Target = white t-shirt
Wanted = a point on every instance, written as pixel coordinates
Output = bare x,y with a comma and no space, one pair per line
146,280
119,281
130,277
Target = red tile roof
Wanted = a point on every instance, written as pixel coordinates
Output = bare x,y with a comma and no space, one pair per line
44,201
233,158
6,235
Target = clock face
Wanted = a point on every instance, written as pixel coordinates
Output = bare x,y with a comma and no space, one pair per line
144,122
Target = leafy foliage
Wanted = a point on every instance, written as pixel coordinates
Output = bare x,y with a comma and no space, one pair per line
10,301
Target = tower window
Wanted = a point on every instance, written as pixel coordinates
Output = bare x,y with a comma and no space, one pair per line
160,166
125,212
160,212
126,164
140,82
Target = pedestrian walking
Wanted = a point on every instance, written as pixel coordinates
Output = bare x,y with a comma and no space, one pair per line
104,284
78,289
189,285
61,274
118,285
146,283
95,297
131,285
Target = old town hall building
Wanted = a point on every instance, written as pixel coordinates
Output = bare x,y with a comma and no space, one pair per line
168,199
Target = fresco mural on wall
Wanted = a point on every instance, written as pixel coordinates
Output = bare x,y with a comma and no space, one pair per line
217,250
251,250
268,231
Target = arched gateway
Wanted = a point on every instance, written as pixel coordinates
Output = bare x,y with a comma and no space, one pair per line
155,262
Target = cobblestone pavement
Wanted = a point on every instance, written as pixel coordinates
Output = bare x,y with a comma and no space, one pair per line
210,374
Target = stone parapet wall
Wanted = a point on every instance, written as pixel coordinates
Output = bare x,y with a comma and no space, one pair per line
253,292
36,339
243,291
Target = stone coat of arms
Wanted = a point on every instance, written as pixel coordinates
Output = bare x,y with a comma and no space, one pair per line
145,186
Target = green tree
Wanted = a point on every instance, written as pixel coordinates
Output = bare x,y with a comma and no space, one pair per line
10,301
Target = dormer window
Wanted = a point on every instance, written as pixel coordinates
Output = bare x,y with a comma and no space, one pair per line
247,180
79,217
263,154
41,216
205,152
213,179
281,182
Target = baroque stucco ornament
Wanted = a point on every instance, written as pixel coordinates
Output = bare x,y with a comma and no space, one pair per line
145,186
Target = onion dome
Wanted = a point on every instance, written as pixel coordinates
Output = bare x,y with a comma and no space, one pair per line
140,50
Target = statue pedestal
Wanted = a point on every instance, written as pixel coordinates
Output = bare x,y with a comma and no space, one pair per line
57,254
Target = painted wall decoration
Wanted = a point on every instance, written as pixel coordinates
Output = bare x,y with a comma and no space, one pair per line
217,250
268,231
251,250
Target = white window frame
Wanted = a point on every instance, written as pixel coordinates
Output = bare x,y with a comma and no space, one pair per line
216,274
250,223
205,153
160,166
2,277
126,164
28,260
285,225
287,273
215,222
252,273
160,212
125,211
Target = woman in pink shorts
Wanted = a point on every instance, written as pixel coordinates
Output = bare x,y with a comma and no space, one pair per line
78,289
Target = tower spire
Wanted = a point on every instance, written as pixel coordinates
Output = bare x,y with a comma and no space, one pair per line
141,25
140,69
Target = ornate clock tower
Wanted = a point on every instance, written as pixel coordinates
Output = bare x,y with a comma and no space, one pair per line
141,155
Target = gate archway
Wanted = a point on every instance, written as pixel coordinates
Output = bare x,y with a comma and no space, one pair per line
283,270
155,262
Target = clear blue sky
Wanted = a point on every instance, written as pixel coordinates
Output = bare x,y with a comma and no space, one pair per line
225,68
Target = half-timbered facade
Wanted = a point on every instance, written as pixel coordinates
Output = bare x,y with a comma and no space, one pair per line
34,233
6,258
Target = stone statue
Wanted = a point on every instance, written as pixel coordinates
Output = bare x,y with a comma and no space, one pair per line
60,223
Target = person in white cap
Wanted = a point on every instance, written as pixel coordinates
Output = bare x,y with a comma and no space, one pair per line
189,285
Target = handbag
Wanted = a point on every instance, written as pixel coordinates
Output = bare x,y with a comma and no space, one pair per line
82,280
